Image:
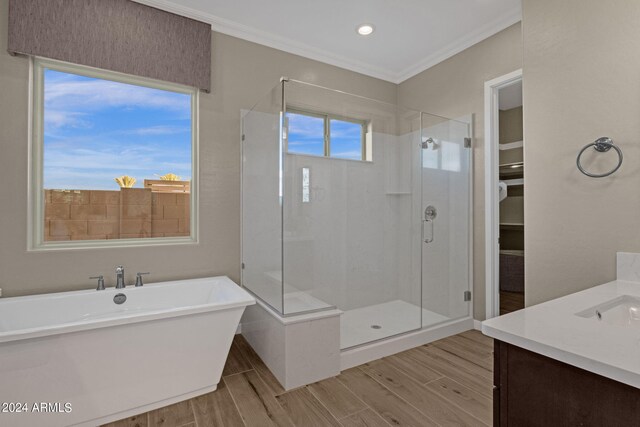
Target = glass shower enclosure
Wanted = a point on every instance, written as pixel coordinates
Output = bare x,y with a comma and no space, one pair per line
355,204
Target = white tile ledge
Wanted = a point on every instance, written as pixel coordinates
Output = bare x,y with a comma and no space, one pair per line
299,318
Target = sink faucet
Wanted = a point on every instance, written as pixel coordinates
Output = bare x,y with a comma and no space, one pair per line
120,277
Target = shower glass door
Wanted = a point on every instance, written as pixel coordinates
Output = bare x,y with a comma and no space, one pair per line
444,215
355,204
349,234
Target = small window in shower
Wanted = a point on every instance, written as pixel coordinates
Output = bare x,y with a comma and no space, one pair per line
325,135
306,134
347,139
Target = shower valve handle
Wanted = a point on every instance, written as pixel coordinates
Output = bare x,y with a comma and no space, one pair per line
430,222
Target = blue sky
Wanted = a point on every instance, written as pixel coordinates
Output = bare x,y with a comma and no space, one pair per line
306,137
96,130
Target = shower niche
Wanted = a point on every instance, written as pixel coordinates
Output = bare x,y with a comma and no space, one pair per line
334,234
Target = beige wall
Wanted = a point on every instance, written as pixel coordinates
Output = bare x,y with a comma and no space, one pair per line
242,73
581,81
454,88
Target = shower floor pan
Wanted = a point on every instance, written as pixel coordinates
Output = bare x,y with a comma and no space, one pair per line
376,322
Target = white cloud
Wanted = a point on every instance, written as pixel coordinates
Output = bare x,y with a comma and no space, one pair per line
83,168
353,132
93,158
305,127
58,119
65,93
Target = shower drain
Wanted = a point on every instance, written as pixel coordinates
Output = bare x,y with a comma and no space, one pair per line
376,327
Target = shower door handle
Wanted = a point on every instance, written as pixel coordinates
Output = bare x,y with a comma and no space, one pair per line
430,214
430,238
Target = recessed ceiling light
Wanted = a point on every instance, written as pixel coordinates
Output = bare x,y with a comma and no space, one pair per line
365,29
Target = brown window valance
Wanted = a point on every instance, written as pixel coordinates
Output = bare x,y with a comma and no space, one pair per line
117,35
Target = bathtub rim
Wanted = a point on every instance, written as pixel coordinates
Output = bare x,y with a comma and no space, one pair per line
243,299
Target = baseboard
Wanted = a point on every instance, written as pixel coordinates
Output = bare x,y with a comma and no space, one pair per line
477,324
239,329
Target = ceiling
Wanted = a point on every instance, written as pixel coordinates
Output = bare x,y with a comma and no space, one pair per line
410,35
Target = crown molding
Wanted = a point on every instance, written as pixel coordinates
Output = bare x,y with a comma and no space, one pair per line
264,38
458,46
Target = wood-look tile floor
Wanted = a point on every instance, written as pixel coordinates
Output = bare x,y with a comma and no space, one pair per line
444,383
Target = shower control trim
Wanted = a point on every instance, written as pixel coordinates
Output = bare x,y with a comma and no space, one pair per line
430,213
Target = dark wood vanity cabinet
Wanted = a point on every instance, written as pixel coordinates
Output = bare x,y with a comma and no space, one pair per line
534,390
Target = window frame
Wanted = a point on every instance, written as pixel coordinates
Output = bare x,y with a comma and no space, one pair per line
35,208
327,117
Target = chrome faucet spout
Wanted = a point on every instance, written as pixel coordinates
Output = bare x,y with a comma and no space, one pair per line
120,277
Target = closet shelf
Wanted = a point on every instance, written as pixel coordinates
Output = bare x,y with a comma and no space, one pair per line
514,165
509,169
511,145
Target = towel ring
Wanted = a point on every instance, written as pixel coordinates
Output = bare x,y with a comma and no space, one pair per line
601,145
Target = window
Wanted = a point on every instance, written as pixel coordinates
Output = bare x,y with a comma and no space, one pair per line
326,135
114,158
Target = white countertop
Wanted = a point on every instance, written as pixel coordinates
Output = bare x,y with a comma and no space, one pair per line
553,329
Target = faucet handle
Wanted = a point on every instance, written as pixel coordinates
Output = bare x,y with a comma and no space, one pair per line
139,279
100,282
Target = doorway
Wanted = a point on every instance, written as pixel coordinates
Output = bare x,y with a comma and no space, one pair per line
504,195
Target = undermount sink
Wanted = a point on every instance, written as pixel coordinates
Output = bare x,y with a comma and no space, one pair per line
622,311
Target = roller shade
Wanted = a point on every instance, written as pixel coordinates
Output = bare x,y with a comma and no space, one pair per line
117,35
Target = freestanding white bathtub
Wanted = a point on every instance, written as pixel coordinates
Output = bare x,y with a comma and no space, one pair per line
78,358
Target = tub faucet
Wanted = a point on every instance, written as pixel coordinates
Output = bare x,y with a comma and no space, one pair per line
120,277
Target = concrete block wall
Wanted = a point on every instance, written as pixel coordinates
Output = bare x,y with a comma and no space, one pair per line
170,214
124,214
